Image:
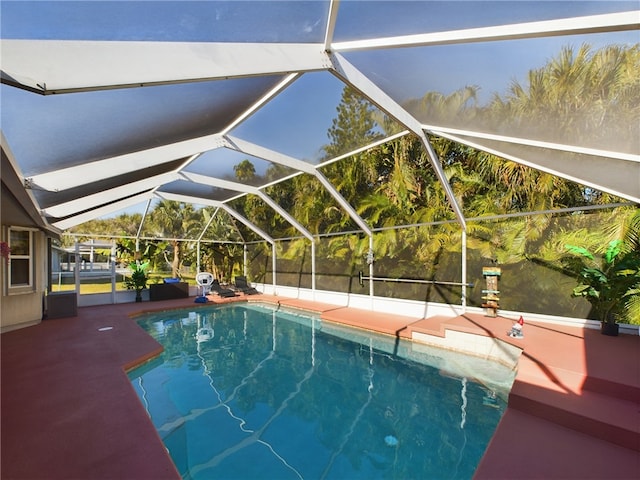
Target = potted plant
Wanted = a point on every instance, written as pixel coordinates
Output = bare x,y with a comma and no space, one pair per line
607,284
138,279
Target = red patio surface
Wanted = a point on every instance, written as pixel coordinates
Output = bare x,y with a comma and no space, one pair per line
69,411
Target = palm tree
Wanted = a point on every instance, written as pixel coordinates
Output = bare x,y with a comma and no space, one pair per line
458,107
581,97
245,171
173,221
225,255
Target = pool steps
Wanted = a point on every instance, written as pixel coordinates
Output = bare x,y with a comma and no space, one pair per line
587,400
598,414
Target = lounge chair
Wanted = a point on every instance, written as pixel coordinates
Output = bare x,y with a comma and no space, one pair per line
220,290
244,287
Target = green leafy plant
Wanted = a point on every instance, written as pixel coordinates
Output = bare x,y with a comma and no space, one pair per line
138,279
608,284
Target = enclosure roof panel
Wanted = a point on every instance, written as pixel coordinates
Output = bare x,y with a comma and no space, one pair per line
375,20
107,105
156,21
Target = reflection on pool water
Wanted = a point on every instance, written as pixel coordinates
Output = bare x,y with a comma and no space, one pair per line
249,391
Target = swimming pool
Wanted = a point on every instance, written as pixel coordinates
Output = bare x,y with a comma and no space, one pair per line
251,391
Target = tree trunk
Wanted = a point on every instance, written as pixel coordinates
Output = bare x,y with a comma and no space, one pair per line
175,265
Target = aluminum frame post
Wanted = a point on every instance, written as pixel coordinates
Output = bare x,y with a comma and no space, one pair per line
113,272
77,268
244,259
313,268
198,256
464,271
371,266
273,266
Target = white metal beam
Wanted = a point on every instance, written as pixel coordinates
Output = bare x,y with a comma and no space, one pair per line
343,203
335,159
206,227
62,66
77,175
241,187
267,154
250,225
382,141
442,131
204,230
261,102
353,77
144,217
611,22
90,201
617,177
291,162
98,212
284,214
215,203
218,182
332,18
281,159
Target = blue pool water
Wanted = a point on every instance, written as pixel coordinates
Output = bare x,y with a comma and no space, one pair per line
253,392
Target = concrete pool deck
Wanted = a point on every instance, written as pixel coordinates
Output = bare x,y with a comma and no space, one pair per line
68,409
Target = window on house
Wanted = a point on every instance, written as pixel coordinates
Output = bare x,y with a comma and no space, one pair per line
21,268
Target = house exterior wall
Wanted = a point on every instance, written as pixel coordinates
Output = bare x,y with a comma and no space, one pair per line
24,307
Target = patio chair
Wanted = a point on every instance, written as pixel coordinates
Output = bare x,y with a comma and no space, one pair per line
244,287
221,291
203,279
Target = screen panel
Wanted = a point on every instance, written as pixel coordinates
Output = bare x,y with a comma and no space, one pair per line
358,20
184,21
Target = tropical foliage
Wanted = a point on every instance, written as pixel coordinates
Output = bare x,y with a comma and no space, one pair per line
610,283
582,96
607,284
138,279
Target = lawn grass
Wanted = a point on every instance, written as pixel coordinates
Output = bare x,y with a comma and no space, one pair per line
103,284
